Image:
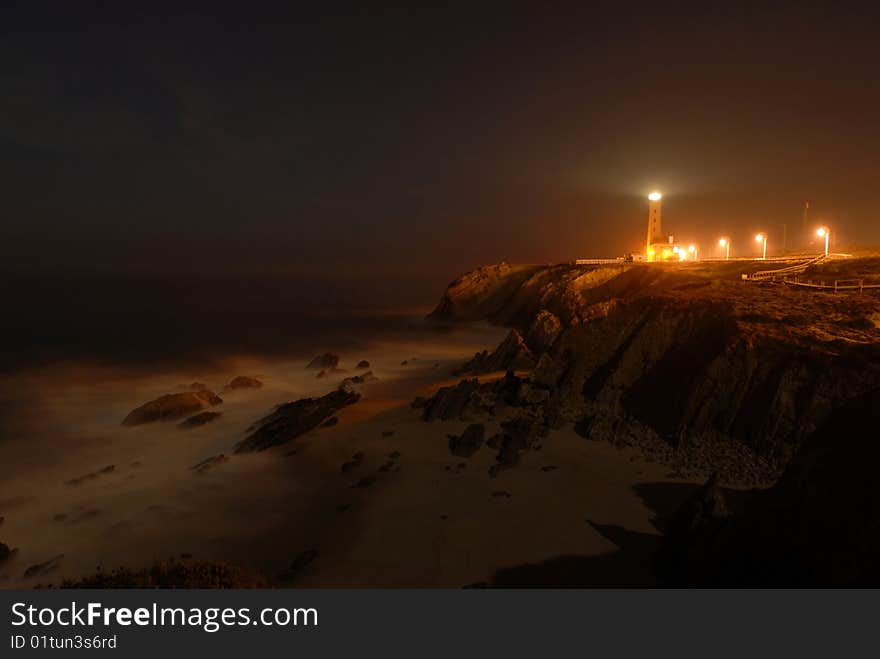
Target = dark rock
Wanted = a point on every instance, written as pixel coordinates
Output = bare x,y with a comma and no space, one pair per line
210,463
81,479
466,444
404,363
387,433
172,406
366,481
519,435
329,423
419,403
482,293
362,364
529,394
544,330
109,469
323,362
549,371
549,468
43,568
387,466
494,442
511,354
244,382
508,455
501,493
355,461
298,565
291,420
583,427
452,402
196,386
198,420
5,552
358,379
697,522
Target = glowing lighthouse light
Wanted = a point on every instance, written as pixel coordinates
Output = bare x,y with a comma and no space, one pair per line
655,196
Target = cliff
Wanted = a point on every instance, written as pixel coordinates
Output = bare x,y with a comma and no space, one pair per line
698,368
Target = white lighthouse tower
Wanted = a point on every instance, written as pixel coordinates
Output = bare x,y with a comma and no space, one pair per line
655,229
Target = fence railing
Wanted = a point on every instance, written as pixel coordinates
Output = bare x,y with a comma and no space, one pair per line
796,269
838,285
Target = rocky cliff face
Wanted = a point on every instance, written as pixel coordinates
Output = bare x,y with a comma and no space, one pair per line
818,526
482,293
699,369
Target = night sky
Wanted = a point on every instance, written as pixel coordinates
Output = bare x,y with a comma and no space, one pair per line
379,141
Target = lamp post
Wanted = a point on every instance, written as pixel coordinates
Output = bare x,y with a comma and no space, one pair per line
725,243
762,238
693,250
824,232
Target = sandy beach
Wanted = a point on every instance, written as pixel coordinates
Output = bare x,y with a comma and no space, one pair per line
81,493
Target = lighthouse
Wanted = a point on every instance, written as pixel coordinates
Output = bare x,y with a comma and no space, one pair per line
655,231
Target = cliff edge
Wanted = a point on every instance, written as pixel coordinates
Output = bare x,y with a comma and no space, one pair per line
695,366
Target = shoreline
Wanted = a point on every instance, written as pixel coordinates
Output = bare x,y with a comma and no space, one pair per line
391,532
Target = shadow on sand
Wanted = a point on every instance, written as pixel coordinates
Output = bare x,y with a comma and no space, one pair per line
630,565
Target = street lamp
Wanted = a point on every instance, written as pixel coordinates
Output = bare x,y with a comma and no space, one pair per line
693,250
725,243
824,232
762,238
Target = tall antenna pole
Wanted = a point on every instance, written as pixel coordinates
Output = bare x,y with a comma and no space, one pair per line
806,211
